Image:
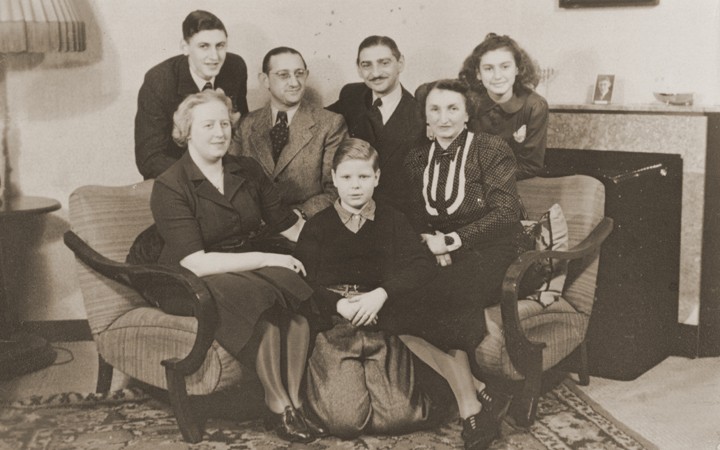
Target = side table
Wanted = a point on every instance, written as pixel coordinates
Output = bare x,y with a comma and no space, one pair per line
20,352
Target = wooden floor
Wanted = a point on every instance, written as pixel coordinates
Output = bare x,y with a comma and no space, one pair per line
675,405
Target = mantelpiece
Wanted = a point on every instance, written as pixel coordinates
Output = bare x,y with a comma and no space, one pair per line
693,132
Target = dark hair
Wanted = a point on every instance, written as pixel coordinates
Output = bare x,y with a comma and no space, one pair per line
200,20
459,86
354,148
527,77
372,41
183,117
279,51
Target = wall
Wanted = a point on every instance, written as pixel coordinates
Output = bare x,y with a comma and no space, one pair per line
71,116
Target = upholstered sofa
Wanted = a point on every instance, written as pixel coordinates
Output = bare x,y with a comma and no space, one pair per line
178,353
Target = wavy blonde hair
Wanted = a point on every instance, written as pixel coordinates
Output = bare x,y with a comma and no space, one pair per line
183,117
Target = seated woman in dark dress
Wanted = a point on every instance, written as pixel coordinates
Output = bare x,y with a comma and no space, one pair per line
207,208
466,207
505,77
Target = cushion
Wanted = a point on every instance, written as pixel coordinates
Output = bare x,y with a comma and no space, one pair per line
550,232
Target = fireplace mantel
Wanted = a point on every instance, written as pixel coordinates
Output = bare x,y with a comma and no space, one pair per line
693,132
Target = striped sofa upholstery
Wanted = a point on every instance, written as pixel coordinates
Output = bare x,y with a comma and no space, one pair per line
131,336
563,324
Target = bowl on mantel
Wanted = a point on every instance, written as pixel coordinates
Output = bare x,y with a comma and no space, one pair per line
684,99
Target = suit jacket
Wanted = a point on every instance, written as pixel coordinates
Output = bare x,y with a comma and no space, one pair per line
303,171
403,130
164,87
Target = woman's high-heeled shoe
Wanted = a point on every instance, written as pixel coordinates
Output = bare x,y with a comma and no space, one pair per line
289,425
479,431
495,403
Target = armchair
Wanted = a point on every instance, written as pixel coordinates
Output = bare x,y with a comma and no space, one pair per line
526,339
172,352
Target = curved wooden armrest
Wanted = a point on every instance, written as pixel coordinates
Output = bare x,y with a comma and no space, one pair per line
177,289
520,348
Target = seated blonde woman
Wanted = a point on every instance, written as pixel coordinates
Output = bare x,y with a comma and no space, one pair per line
207,208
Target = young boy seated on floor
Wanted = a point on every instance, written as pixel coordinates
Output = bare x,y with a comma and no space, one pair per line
359,256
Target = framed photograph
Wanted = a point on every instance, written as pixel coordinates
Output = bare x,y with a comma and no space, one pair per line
604,89
594,3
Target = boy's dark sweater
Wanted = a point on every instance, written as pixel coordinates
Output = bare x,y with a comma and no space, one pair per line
386,253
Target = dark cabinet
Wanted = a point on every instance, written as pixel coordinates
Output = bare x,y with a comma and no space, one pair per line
634,321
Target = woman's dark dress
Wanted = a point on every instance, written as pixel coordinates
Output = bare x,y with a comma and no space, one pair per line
192,215
522,122
484,209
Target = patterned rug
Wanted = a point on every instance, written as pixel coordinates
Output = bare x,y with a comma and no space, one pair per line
130,419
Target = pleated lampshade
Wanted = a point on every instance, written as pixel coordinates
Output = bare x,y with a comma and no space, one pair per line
40,26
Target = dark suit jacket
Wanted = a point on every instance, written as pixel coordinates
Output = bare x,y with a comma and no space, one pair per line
303,172
165,86
403,130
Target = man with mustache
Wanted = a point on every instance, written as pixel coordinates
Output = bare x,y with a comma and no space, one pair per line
293,141
204,64
381,112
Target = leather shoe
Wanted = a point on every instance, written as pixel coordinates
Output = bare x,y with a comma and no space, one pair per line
313,423
495,403
289,425
479,431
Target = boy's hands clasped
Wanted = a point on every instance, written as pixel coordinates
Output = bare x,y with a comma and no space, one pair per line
362,310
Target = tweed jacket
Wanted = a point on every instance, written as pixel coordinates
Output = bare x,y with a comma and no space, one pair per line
486,206
164,88
404,129
303,171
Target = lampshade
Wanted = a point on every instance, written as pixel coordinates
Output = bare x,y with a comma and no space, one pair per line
40,26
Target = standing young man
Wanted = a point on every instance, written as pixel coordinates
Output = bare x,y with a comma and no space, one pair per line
204,64
381,112
293,141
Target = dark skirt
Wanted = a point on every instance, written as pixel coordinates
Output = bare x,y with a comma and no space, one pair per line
449,312
241,298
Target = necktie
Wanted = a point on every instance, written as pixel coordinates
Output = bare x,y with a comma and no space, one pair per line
355,223
279,134
207,86
376,119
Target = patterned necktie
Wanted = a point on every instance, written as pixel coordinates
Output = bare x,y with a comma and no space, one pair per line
207,86
279,134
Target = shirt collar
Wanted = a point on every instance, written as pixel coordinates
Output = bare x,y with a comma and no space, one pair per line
199,82
452,149
367,212
389,102
290,113
511,106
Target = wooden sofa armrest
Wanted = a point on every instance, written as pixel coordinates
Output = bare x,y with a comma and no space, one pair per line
160,284
520,348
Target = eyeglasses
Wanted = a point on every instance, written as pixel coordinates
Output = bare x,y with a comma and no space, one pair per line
284,75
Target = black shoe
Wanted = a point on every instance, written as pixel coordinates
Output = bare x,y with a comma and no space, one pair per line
479,431
495,403
289,425
313,423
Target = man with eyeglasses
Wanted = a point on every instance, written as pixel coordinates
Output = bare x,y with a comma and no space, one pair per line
292,140
381,112
204,64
